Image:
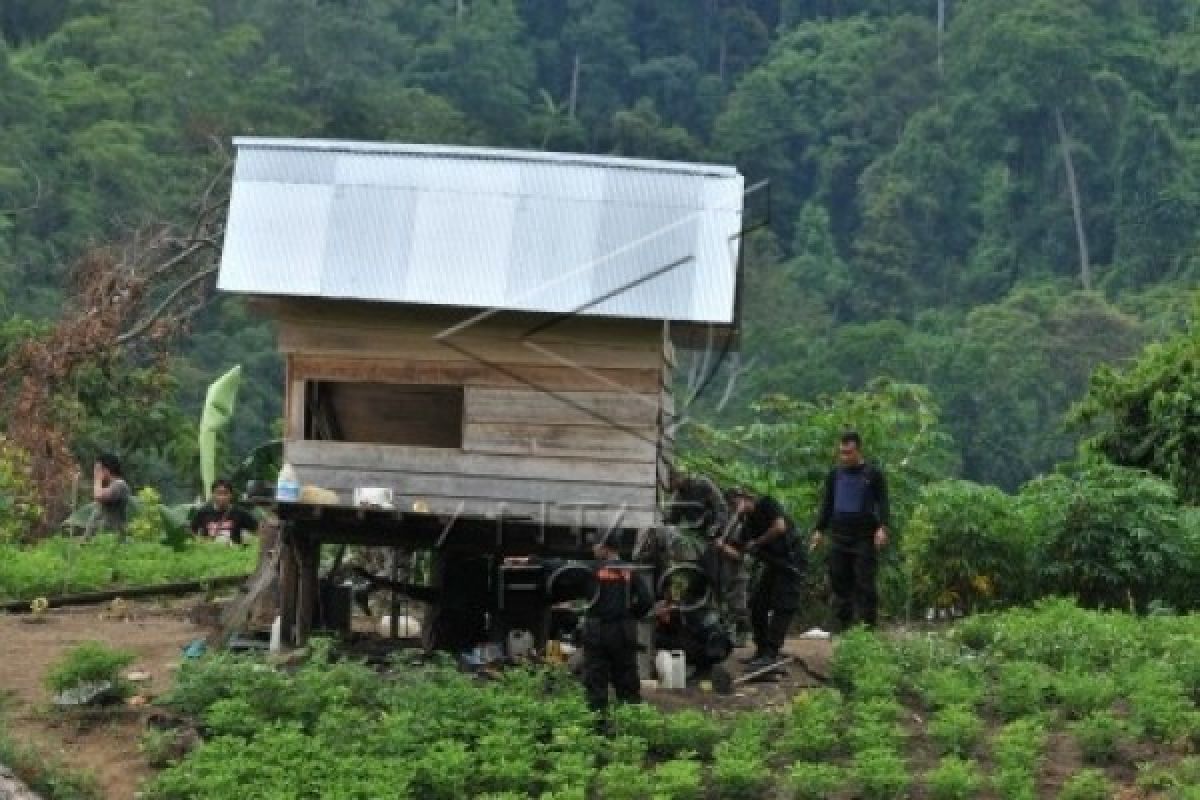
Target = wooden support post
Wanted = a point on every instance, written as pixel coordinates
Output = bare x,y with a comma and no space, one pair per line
288,578
395,622
306,594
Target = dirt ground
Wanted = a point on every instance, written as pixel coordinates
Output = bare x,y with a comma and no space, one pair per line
105,745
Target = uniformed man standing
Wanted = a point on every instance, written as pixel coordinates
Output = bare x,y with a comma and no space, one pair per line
855,510
767,531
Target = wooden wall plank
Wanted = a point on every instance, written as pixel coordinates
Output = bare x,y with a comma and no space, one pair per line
567,441
308,367
297,337
438,461
413,486
561,408
513,324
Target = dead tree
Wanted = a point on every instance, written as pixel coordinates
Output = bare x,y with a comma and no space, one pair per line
126,303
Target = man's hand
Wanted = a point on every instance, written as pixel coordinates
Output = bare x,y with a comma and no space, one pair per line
881,538
730,551
815,541
97,472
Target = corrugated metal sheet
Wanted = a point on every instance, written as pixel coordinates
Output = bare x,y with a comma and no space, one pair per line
483,228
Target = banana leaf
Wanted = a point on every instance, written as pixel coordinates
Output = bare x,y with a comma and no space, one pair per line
217,414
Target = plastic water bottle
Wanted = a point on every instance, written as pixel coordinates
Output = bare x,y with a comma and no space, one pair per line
287,487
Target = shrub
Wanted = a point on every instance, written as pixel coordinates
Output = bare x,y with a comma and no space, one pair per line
954,779
950,686
680,779
1019,744
956,729
90,662
864,666
965,547
881,774
1090,784
1114,536
1098,735
19,511
1022,688
812,781
1014,783
1081,693
624,781
687,731
1160,705
812,730
739,771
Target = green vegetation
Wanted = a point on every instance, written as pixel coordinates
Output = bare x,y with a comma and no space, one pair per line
62,565
90,662
429,731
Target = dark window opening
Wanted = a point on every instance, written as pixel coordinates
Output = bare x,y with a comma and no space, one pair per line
384,413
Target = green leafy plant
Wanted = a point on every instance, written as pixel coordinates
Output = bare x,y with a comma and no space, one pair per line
688,731
1081,693
1022,688
954,779
1098,735
739,770
679,779
1019,744
624,781
864,666
90,662
1160,705
813,728
956,729
1090,784
950,686
815,781
1015,783
881,774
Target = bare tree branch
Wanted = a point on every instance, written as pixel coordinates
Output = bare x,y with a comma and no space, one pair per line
146,323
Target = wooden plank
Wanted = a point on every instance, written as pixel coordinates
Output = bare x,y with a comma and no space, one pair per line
565,441
410,486
440,373
295,408
296,337
288,579
561,408
435,461
393,316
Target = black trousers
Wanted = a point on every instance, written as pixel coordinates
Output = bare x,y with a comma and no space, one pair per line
853,564
772,607
610,657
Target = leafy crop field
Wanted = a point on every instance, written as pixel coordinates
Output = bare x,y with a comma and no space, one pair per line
61,565
1054,702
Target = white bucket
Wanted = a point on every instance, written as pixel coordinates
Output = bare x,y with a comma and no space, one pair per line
672,669
520,643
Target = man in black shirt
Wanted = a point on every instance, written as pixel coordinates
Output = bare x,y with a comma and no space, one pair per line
219,519
619,598
768,531
855,510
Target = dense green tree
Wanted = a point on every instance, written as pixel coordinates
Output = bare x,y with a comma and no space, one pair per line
1148,415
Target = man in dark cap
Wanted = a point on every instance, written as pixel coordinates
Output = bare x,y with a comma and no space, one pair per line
769,533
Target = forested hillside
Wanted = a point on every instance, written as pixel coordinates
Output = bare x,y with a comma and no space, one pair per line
986,197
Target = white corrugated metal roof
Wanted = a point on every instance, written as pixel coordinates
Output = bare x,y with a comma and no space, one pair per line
483,228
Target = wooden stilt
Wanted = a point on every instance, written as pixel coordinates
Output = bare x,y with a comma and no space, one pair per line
288,580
